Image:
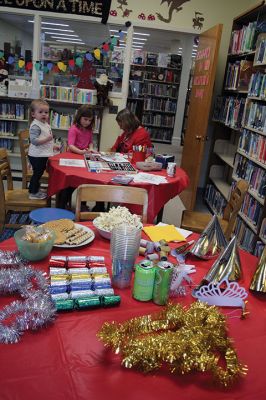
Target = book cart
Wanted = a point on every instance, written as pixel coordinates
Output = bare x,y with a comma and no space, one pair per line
239,143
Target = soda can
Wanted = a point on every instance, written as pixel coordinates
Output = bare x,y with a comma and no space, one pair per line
144,281
163,277
171,169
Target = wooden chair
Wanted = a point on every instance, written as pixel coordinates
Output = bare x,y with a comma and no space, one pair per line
26,171
13,199
112,194
197,221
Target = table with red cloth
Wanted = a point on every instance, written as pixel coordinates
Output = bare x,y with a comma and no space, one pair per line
61,177
66,361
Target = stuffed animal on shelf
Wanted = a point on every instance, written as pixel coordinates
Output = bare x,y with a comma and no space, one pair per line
3,82
103,85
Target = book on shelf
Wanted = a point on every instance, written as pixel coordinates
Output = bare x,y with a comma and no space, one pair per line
135,88
175,61
260,55
163,60
136,74
138,56
152,58
245,73
117,55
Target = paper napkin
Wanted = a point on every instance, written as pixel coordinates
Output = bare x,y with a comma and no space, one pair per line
166,232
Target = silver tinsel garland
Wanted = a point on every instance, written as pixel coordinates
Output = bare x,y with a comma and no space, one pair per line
35,311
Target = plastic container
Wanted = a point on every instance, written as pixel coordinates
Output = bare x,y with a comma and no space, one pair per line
33,251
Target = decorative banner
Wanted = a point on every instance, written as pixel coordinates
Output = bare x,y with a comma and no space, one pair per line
21,63
71,64
10,59
29,66
1,54
99,9
89,56
37,65
79,61
97,54
50,66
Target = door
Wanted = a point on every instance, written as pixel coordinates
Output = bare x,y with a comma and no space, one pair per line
199,109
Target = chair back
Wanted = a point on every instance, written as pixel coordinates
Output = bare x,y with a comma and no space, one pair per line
234,205
24,148
111,194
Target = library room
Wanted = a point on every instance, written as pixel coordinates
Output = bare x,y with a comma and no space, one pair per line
132,191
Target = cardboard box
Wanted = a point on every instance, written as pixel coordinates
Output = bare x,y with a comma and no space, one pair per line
164,159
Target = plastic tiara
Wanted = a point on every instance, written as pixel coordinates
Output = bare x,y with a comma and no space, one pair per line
223,293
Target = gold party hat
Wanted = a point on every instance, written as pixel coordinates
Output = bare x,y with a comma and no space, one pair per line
211,241
258,282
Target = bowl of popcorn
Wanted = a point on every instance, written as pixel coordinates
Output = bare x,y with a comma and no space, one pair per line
34,243
115,217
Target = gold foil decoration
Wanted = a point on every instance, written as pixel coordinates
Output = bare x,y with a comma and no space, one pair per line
185,340
211,241
258,282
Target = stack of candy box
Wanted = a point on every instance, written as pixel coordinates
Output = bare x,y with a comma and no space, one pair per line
78,282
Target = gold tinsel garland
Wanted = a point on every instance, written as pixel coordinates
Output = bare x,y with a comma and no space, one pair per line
186,340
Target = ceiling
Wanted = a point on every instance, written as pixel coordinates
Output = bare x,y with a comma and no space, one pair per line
93,34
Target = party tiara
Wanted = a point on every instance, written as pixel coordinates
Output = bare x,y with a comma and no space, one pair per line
223,293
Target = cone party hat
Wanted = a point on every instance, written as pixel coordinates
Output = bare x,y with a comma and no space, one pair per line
258,282
211,241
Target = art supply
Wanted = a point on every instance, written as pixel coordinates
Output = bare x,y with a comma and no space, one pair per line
142,251
163,276
144,281
153,257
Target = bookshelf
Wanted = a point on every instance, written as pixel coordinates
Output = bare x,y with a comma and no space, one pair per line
14,117
153,92
239,139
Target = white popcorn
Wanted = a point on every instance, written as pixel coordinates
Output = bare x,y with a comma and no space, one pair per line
115,217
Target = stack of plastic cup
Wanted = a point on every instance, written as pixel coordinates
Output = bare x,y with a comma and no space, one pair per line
125,242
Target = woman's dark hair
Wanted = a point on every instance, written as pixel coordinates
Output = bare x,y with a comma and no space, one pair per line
128,120
83,111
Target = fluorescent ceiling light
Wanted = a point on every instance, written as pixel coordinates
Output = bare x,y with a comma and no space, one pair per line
69,41
142,34
61,34
116,30
50,23
195,45
180,48
66,38
137,47
138,43
138,38
57,29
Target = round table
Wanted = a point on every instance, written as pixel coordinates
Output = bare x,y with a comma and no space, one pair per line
61,177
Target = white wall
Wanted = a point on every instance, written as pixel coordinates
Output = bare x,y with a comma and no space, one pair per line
11,34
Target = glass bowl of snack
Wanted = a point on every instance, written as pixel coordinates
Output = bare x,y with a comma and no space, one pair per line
34,243
114,217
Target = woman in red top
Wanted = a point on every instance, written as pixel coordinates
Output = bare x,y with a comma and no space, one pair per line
134,134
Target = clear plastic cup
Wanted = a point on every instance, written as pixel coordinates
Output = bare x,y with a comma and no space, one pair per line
125,242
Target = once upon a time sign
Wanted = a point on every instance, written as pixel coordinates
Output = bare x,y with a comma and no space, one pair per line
93,8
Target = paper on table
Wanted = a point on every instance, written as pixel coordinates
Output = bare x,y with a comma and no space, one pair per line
183,232
114,158
166,232
71,162
149,178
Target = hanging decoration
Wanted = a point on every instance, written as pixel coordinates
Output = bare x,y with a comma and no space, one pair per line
10,60
37,65
28,66
36,310
71,63
89,56
79,61
97,53
185,340
198,20
61,66
1,54
21,63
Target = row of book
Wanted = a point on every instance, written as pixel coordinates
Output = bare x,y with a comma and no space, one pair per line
238,75
229,110
259,247
7,128
253,144
168,76
68,94
257,85
60,120
260,57
165,60
255,116
7,144
246,237
154,104
215,200
158,120
160,90
253,174
252,209
13,110
164,135
243,40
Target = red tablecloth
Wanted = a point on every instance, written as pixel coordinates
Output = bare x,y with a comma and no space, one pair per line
66,361
61,177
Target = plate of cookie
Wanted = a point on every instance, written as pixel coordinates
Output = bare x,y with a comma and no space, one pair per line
69,234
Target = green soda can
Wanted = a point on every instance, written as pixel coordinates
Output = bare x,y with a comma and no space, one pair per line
144,281
163,276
